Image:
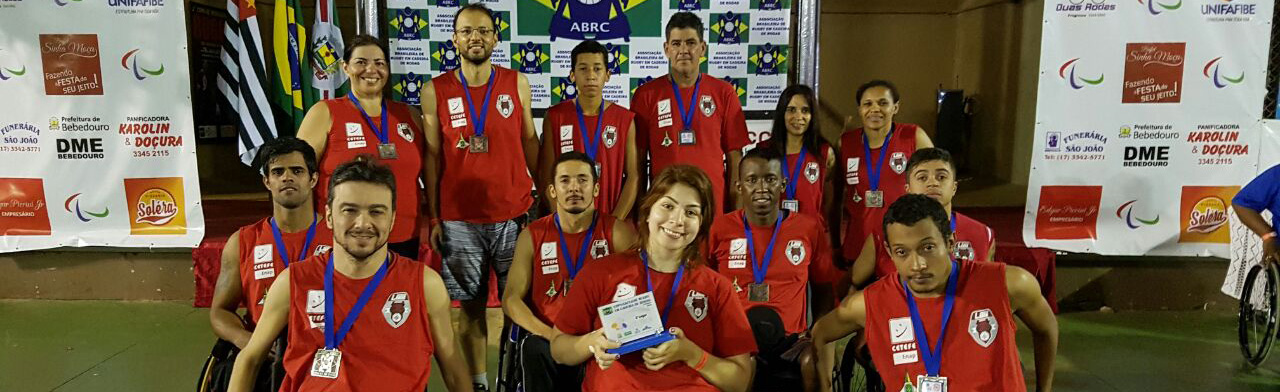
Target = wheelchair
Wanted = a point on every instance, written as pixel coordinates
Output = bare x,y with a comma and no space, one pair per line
855,372
509,365
1258,313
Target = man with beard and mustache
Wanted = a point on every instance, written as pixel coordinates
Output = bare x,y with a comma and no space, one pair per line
256,253
689,118
561,244
773,258
361,317
591,124
938,324
478,125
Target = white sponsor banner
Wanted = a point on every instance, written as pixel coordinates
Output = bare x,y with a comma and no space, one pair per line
97,144
748,43
1148,121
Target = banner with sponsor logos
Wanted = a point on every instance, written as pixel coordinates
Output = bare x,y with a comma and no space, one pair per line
96,135
1147,123
748,43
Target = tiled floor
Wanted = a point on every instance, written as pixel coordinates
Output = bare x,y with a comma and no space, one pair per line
159,346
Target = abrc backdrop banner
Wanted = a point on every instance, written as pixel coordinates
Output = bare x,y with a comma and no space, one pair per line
96,135
748,43
1148,121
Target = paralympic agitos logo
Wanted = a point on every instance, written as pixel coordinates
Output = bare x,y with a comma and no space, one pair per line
1068,72
1156,7
73,205
10,68
1125,212
1213,71
130,62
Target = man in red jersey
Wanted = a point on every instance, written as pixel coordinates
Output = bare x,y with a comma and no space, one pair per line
874,158
478,126
597,127
360,318
939,324
930,172
256,253
772,258
561,244
690,118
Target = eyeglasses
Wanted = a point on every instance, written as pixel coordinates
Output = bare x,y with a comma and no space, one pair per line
484,33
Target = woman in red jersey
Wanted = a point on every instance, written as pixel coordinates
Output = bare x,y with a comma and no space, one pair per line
364,122
714,343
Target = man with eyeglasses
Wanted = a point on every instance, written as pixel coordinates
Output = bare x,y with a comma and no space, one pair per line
478,124
686,118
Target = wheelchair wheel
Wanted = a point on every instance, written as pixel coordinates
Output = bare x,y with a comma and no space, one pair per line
855,373
1258,313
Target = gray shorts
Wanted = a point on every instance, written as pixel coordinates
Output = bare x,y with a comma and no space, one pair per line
469,249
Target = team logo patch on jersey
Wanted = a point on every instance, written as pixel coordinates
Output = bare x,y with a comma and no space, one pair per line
599,248
610,136
566,138
696,303
664,107
851,171
455,105
264,265
396,310
811,172
983,327
354,129
795,252
898,162
322,249
405,132
707,105
738,253
964,251
315,308
262,253
548,250
506,107
624,291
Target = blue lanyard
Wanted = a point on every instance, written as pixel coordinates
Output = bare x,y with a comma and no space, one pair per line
302,253
760,267
933,353
675,285
479,118
333,338
873,173
686,115
379,131
953,223
575,265
793,175
590,145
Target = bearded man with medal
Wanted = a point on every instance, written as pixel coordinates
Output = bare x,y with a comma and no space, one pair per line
340,129
690,118
700,340
549,256
773,258
939,325
481,146
874,158
361,317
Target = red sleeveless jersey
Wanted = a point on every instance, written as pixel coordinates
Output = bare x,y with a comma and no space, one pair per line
547,290
704,308
973,239
809,180
979,352
350,135
486,187
802,252
718,123
389,346
260,259
566,135
863,220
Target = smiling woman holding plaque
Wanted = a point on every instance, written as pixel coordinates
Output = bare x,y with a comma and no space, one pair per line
712,343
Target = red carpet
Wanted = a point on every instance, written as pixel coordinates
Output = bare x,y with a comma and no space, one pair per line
223,217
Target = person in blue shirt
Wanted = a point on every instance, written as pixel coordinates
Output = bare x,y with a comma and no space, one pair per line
1263,193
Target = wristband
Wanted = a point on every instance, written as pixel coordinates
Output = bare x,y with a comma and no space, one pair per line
701,362
1269,236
